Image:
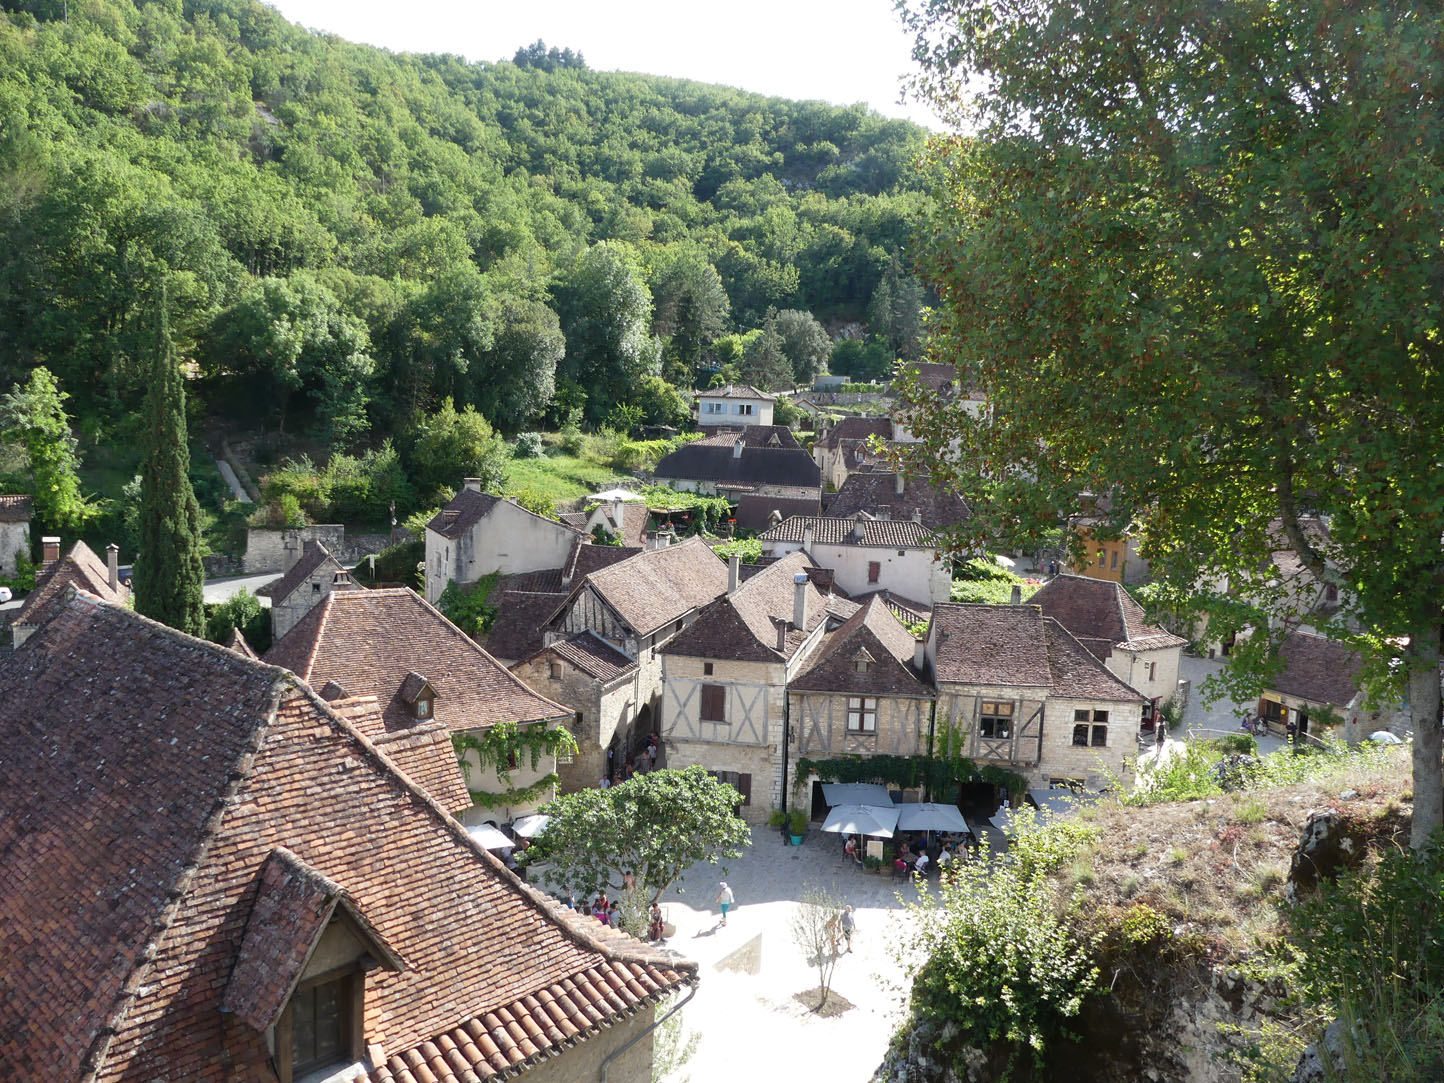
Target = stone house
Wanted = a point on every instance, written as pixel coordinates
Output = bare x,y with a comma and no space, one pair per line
424,672
634,607
217,876
725,679
846,448
625,520
477,533
863,692
316,574
763,459
1025,694
79,569
867,554
735,406
1321,676
1107,620
14,533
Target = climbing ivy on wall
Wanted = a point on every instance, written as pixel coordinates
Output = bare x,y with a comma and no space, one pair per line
504,747
937,773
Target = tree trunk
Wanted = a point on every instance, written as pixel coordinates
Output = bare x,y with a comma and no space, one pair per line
1424,713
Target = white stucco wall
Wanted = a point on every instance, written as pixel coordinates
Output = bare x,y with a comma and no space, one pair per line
912,573
509,539
1132,668
730,414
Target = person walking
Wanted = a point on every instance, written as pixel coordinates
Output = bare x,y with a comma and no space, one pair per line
724,899
848,925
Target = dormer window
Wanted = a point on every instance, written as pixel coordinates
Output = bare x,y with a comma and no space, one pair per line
315,586
423,707
417,693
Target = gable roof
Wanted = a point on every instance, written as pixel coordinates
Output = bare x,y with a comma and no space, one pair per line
754,512
855,430
313,557
238,643
469,507
715,459
659,586
736,391
370,641
80,568
827,530
423,752
14,508
888,645
135,851
521,618
868,491
1017,646
584,558
593,655
1318,669
938,376
1101,615
742,626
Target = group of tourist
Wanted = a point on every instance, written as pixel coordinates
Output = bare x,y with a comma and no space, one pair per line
640,764
913,856
609,912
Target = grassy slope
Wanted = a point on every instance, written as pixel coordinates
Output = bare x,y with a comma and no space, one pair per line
562,478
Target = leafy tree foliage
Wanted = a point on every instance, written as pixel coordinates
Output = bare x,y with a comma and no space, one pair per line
169,576
805,344
454,444
537,55
895,313
606,313
1197,267
765,365
241,611
691,307
33,417
654,826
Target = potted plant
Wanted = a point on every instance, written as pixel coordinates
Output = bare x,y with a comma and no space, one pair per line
872,864
797,826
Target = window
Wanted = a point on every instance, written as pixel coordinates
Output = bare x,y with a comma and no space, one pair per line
861,665
1102,558
745,409
315,586
862,714
706,669
423,708
321,1025
714,407
714,703
554,670
738,780
1152,670
874,570
1090,728
1113,561
1331,593
996,720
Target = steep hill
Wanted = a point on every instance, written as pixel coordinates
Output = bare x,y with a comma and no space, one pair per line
368,232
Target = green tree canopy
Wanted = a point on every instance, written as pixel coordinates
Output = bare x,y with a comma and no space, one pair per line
451,445
764,364
655,826
805,343
1192,257
606,312
33,417
895,313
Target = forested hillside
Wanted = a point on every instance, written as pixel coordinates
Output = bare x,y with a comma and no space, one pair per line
348,237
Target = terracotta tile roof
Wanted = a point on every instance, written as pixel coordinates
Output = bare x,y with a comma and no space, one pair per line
736,391
1318,669
742,626
293,905
135,850
826,530
659,586
755,512
935,375
593,655
851,430
714,459
238,643
370,641
1017,646
423,753
889,649
313,556
1102,615
583,559
14,508
80,568
870,490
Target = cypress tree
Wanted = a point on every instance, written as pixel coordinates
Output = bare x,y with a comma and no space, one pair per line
169,576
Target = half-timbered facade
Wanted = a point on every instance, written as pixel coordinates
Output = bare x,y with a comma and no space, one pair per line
861,693
1025,694
725,680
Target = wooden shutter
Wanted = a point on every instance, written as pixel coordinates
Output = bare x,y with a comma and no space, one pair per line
744,787
714,703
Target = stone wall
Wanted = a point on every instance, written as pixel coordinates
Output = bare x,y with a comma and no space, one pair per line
14,543
276,550
1063,759
584,1060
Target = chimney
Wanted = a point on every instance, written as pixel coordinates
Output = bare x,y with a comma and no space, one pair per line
858,528
920,657
884,511
474,484
781,626
799,601
1017,598
617,513
734,573
737,448
807,536
49,552
917,515
898,483
112,566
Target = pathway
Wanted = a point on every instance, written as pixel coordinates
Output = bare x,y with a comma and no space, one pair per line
1201,721
750,1026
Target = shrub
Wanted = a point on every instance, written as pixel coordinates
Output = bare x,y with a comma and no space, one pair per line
1231,743
797,822
570,440
397,563
241,611
469,607
529,445
536,502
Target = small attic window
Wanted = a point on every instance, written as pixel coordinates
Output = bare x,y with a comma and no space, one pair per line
862,665
423,706
315,586
416,692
